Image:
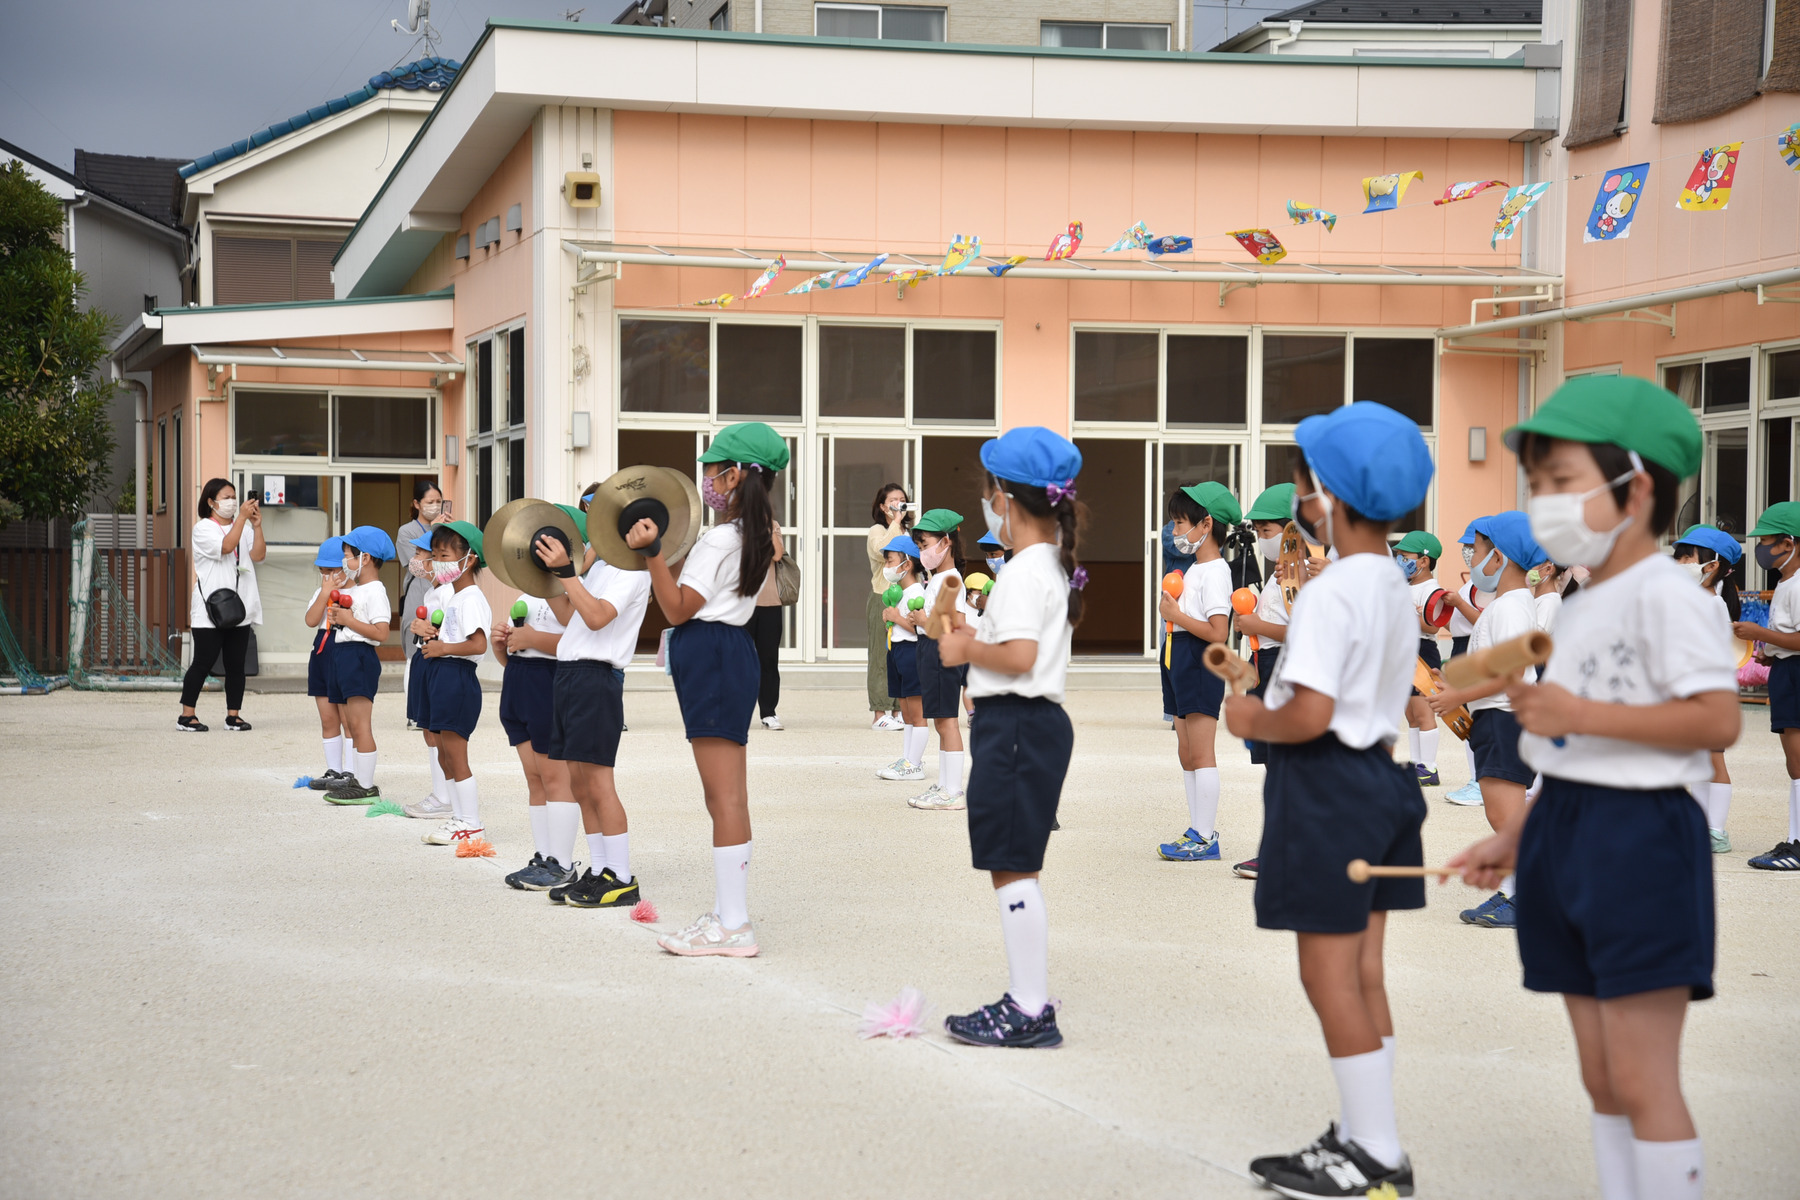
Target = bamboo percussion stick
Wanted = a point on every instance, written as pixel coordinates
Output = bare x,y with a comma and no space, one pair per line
1238,674
1496,662
1361,872
944,611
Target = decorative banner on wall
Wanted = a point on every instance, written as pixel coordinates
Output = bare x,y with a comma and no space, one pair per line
1513,207
1787,144
768,277
1008,265
1170,244
1262,245
1135,238
818,283
722,300
1709,186
1462,191
1383,193
909,277
1064,245
1615,204
843,277
1300,214
962,249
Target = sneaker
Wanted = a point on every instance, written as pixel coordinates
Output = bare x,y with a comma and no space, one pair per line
901,770
539,875
1468,795
452,831
1428,776
331,780
603,891
1245,869
884,722
1191,847
430,808
237,725
349,791
1004,1023
1496,912
772,722
1260,1167
1784,857
707,936
936,799
1721,841
1334,1167
189,725
560,893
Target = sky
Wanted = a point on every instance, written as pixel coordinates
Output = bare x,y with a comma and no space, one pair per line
177,78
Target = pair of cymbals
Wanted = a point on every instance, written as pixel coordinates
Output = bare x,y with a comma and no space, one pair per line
665,496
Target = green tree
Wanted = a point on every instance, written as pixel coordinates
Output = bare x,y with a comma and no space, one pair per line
55,434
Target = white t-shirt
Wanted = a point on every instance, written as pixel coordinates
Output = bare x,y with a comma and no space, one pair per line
1784,613
1206,589
368,603
1507,616
1031,601
1353,637
430,600
1645,636
1271,606
1547,607
215,569
539,616
711,568
615,642
1423,591
1461,626
1719,608
901,633
935,584
465,613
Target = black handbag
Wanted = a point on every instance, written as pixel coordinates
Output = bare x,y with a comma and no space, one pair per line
224,607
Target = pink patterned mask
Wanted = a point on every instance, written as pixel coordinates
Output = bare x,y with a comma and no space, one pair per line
715,499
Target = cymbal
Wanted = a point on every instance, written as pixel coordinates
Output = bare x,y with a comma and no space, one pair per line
662,494
508,539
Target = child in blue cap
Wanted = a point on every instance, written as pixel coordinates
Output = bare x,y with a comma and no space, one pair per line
1333,792
1020,738
1710,555
1504,554
330,562
994,554
1465,610
903,570
356,671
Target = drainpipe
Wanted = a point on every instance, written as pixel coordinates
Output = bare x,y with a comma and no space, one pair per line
140,457
1181,15
1293,35
759,16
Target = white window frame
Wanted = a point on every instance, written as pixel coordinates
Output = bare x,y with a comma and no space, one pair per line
1106,28
329,461
880,15
503,433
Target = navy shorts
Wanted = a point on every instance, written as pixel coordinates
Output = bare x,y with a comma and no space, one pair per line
1168,681
418,697
1324,805
716,674
355,671
1615,892
940,687
1784,694
526,707
318,665
1494,740
1459,646
1198,692
903,670
1265,667
1019,749
455,696
1431,656
588,712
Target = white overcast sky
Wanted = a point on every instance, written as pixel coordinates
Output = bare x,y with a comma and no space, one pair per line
178,78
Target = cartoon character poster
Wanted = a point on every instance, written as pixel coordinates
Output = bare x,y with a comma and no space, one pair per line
1787,144
1383,193
909,277
1616,203
1170,244
770,275
1135,238
1513,207
1300,214
1064,245
1709,186
1261,244
962,250
1462,191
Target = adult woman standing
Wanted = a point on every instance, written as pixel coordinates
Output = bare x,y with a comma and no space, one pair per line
892,519
765,629
428,510
227,542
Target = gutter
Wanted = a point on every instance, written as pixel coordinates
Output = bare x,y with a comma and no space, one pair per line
1603,308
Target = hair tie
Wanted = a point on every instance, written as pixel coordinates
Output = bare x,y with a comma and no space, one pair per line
1078,580
1058,494
750,466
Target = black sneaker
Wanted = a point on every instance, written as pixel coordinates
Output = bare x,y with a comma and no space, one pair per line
1784,857
236,725
189,725
603,891
560,893
1259,1167
516,879
1333,1167
1004,1023
1245,869
540,875
349,791
331,781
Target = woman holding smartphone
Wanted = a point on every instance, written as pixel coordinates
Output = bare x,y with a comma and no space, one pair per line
227,543
893,517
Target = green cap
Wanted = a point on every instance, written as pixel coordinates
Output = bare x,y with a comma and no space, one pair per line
1420,542
748,442
1778,520
1624,410
1275,504
471,535
938,520
577,516
1216,499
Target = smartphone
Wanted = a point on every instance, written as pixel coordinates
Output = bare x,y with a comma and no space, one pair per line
449,511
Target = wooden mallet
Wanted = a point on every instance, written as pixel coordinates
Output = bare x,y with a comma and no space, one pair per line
1497,662
1360,871
1239,674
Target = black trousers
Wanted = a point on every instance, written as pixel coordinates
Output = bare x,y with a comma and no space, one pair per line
207,645
765,630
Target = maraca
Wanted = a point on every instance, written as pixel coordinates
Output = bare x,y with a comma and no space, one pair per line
1243,601
519,610
891,598
1171,585
916,604
437,618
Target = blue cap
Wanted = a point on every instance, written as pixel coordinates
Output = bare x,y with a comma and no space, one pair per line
371,541
1032,455
331,553
1714,539
988,539
1370,456
1478,525
423,541
1511,534
902,545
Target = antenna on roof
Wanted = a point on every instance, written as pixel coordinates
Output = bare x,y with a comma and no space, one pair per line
418,23
573,15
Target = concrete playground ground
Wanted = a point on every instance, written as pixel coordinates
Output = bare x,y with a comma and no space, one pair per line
213,984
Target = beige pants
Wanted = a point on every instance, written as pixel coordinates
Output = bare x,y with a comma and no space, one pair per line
879,700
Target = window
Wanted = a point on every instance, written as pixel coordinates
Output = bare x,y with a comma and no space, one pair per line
1208,380
1202,379
380,428
289,423
889,22
664,366
1096,35
759,370
1302,375
720,19
1396,372
162,466
953,375
1719,386
862,371
497,435
271,270
1115,376
1784,375
178,505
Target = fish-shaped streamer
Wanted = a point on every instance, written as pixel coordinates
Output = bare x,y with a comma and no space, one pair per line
1300,214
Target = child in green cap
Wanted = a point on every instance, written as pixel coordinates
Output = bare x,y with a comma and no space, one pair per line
1777,550
1417,553
453,704
1268,518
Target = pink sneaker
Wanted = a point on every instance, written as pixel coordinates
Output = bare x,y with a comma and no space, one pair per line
707,936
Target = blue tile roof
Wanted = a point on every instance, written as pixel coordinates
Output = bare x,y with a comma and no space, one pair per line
427,74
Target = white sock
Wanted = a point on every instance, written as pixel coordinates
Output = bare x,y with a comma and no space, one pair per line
1191,786
1025,927
1508,885
438,778
334,752
912,744
1206,801
731,884
1366,1090
562,818
540,827
1428,744
950,768
471,800
1794,811
457,808
1387,1046
1669,1170
1613,1158
1718,804
617,847
1537,785
1412,744
365,768
596,852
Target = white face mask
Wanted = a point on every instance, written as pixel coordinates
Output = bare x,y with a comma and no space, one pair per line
1694,569
893,574
226,508
999,526
352,565
1269,548
1559,523
430,510
448,572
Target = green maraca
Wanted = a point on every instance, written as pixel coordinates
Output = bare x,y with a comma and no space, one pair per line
519,610
891,598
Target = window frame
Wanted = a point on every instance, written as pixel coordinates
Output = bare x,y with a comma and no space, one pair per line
162,465
880,11
272,464
721,18
1106,28
495,344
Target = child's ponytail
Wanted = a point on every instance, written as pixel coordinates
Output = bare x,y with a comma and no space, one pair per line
755,518
1070,515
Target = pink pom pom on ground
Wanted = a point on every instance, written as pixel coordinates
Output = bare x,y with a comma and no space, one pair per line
644,913
475,848
898,1019
1753,674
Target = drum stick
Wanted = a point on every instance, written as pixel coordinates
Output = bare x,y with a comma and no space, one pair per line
1497,662
943,613
1238,674
1361,872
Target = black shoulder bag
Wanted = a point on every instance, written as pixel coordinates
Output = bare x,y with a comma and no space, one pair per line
224,607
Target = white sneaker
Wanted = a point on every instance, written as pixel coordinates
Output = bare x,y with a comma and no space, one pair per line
901,770
772,722
886,723
936,799
707,936
1468,795
428,808
452,831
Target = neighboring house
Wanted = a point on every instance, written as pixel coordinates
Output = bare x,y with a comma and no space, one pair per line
1387,28
1087,24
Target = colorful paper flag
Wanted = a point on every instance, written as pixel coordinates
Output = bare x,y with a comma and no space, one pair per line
1300,214
1134,238
818,283
1008,265
1064,245
1261,244
1462,191
1513,207
1787,144
1170,244
962,249
1383,193
910,276
723,300
849,279
769,275
1709,186
1616,203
